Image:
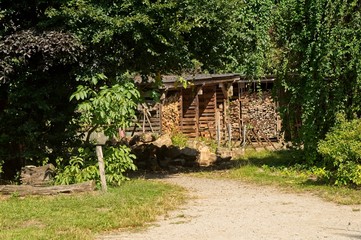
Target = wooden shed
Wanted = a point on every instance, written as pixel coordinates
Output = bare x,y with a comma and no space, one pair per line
223,107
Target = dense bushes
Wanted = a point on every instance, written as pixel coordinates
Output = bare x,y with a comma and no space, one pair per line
82,165
341,151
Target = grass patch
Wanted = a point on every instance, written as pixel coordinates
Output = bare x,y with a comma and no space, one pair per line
283,169
83,216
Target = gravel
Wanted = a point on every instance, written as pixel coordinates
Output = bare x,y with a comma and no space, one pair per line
225,209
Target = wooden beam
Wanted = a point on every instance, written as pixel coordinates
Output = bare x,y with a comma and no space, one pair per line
197,111
181,110
224,90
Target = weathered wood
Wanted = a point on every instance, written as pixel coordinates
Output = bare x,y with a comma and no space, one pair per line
23,190
37,176
101,164
260,111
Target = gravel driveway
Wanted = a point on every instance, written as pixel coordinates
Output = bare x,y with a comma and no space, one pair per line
225,209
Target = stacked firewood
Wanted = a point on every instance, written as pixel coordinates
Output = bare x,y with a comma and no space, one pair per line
259,111
171,114
234,110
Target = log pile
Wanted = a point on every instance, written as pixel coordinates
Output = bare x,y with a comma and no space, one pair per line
234,109
171,114
259,111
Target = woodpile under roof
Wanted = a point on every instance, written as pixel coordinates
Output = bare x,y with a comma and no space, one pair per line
259,112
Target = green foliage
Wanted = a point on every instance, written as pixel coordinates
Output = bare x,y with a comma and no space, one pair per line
118,160
179,140
83,166
320,71
211,143
251,23
165,36
50,50
36,80
341,151
106,108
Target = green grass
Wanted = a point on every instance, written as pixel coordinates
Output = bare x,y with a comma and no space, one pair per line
283,169
83,216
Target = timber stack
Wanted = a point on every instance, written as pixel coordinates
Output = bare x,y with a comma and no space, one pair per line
235,112
171,114
260,112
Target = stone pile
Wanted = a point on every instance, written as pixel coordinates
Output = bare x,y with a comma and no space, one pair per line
160,154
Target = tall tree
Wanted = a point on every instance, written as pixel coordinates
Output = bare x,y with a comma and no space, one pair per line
320,43
51,49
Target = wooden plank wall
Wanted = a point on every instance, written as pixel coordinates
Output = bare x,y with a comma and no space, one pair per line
220,100
189,121
154,125
207,112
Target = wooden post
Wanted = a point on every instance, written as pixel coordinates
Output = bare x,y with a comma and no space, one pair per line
218,128
244,139
229,135
144,119
99,152
197,111
181,110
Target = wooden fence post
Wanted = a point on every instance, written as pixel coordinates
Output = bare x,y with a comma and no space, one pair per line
218,128
103,181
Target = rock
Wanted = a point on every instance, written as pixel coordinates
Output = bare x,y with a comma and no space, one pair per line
178,162
196,144
147,138
206,157
163,140
171,152
145,156
189,152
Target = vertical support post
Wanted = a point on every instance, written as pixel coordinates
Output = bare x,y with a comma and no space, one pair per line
144,119
218,128
229,134
244,139
181,110
160,112
197,112
101,164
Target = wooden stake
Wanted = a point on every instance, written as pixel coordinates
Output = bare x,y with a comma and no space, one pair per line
218,128
244,139
99,152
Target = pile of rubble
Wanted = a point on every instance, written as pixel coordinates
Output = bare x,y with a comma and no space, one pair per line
160,154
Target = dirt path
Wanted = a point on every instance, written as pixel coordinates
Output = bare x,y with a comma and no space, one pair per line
226,209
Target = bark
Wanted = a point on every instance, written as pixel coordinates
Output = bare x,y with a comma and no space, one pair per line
23,190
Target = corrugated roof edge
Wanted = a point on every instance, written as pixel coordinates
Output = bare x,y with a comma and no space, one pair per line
201,79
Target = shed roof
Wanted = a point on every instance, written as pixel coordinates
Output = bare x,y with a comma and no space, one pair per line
169,81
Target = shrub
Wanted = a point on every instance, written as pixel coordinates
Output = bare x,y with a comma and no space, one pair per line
341,151
179,140
83,165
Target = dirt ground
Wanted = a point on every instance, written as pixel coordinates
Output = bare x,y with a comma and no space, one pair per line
224,209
